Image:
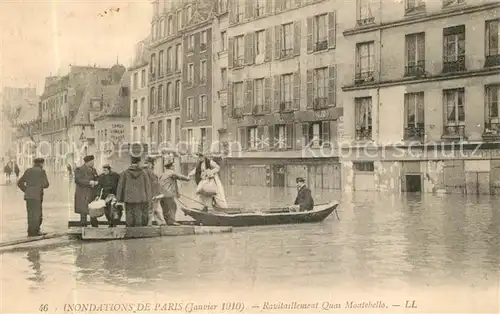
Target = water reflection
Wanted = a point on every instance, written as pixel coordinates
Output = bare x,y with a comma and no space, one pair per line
380,240
36,275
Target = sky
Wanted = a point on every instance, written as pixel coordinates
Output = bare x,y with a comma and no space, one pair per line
43,37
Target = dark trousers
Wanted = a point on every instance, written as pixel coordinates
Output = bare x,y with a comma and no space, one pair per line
169,207
113,215
136,214
93,221
35,217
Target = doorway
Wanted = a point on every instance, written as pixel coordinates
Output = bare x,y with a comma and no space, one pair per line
279,175
413,183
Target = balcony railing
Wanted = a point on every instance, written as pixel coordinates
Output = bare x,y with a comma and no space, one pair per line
492,130
257,110
202,115
492,61
285,106
366,21
414,132
364,133
454,131
239,62
321,45
450,66
286,52
237,112
418,8
320,103
363,77
415,69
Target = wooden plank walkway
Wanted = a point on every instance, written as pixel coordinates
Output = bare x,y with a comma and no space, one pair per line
89,233
33,239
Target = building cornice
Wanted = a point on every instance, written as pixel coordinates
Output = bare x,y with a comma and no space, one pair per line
413,80
421,18
138,66
155,44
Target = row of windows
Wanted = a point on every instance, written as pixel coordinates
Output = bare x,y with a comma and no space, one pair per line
197,142
287,136
282,92
173,61
162,131
171,24
454,112
138,109
247,10
202,73
139,81
52,103
364,10
196,108
453,53
258,47
168,97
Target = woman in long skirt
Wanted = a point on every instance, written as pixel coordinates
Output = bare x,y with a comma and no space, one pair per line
203,168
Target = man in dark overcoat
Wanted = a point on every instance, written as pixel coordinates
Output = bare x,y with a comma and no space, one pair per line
32,183
86,180
304,200
108,182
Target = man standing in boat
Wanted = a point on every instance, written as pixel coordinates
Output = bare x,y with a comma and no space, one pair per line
155,213
86,180
32,183
134,189
304,200
170,191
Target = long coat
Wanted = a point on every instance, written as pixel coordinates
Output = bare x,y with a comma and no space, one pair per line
304,199
84,192
33,182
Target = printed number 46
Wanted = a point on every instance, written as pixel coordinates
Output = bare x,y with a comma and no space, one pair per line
44,308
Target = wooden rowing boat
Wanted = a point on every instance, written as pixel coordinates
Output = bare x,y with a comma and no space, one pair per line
273,216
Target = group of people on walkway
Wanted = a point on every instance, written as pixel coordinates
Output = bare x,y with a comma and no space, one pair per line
9,168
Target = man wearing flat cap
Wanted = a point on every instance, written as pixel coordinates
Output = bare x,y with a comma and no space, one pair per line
86,180
170,190
304,200
32,183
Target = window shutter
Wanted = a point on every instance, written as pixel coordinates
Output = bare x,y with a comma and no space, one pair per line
260,134
269,44
230,101
269,7
185,17
296,90
333,130
249,40
268,94
332,86
332,29
174,21
277,95
289,136
230,53
231,8
325,128
243,137
270,132
277,5
305,134
310,34
309,88
296,38
196,101
248,97
421,46
250,4
277,38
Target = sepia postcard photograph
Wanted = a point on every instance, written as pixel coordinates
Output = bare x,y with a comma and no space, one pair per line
249,156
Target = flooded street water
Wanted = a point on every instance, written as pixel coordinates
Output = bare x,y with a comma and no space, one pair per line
380,242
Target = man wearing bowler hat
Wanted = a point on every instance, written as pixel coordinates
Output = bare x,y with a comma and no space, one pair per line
32,183
304,200
86,180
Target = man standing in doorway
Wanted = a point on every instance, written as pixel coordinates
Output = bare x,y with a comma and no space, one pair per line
32,183
86,180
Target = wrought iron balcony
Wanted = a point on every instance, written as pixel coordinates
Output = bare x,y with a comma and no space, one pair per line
257,110
237,112
320,103
491,131
364,133
414,132
362,77
366,21
286,52
454,131
492,61
321,45
450,66
415,69
285,106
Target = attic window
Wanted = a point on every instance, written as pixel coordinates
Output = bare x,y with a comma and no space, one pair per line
124,91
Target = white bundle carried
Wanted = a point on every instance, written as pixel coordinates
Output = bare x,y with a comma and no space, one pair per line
207,185
96,207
